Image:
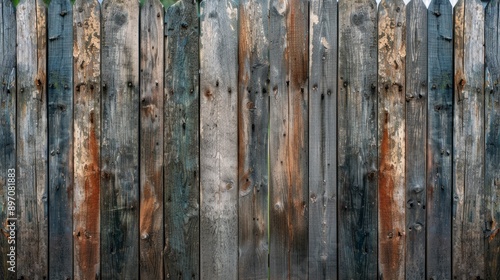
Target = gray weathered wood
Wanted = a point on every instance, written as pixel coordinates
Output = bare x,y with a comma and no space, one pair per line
323,139
416,137
492,139
87,131
7,129
288,141
468,142
357,140
32,177
253,125
438,194
181,130
391,138
219,139
151,137
60,137
120,140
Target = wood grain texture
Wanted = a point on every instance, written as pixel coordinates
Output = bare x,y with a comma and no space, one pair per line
391,138
253,125
120,140
7,130
492,139
416,138
181,130
323,139
468,142
357,140
87,140
439,140
288,141
151,137
60,137
32,177
219,139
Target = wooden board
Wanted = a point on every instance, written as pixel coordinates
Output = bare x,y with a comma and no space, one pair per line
120,140
439,141
391,138
253,125
181,136
492,138
87,140
151,137
416,138
7,131
60,137
468,141
219,139
288,141
357,140
32,177
323,139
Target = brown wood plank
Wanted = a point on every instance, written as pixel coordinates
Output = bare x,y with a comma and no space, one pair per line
7,138
323,139
32,176
181,136
357,140
219,139
391,138
288,146
439,141
468,142
416,138
120,140
87,140
253,125
151,140
492,139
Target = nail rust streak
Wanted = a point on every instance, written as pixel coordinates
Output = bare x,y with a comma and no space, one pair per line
298,44
297,63
459,49
244,58
147,209
388,246
88,234
430,168
494,234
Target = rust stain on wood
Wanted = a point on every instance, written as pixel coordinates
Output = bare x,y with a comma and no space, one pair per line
88,237
298,60
244,59
386,187
148,207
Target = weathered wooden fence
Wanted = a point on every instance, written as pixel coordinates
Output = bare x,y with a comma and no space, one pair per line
252,139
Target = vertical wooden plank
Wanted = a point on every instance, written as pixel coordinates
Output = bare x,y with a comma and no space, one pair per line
151,137
288,146
60,131
439,141
253,125
468,142
492,139
416,137
391,138
32,177
181,131
7,134
219,139
323,139
357,140
120,140
87,131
